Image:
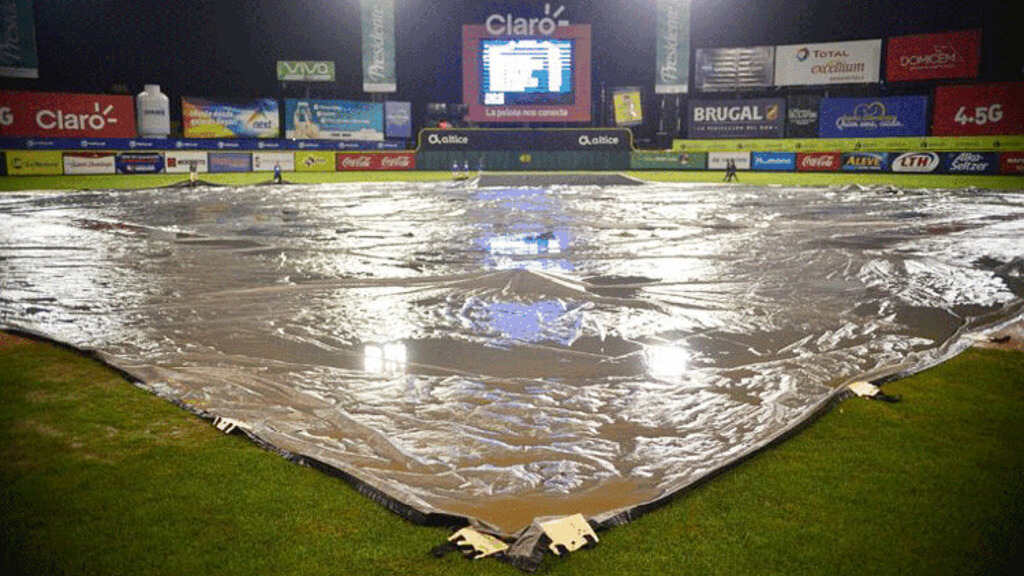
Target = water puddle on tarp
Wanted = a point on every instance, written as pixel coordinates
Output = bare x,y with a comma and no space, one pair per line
504,354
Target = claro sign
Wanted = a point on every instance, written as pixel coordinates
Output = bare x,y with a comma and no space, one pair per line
58,114
509,24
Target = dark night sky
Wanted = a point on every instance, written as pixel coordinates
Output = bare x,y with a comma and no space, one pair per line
227,48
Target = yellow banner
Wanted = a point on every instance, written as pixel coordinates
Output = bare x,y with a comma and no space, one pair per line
628,111
937,144
314,161
34,162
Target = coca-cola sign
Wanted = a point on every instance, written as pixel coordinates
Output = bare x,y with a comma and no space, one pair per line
349,161
56,114
817,162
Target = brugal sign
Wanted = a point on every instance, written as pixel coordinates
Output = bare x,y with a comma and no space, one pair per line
555,139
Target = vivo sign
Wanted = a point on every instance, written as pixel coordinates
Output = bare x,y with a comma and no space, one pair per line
507,24
305,71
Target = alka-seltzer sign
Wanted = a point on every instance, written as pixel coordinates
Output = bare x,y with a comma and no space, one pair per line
378,25
672,69
763,118
18,57
831,63
305,71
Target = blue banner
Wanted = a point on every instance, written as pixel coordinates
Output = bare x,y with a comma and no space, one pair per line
773,161
192,144
864,161
970,163
334,120
398,119
140,163
873,117
229,162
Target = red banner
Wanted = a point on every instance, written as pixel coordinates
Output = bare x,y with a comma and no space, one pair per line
930,56
348,161
817,162
1012,162
979,109
64,115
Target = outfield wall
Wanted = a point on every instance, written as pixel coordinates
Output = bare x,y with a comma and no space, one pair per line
587,149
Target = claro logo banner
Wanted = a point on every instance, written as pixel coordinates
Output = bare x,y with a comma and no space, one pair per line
58,114
931,56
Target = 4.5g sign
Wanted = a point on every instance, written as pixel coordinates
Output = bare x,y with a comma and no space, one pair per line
979,109
305,71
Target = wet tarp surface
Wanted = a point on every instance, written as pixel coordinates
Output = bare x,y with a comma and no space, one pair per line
503,354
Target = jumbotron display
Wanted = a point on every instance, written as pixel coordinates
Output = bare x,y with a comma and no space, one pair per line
525,71
526,78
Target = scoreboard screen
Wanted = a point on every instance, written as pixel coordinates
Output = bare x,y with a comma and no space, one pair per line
526,71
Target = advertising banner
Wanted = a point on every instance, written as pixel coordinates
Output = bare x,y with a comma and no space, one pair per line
90,163
730,69
18,57
140,163
179,162
818,161
864,161
762,118
669,161
628,106
203,118
719,160
347,161
672,51
1011,162
305,71
916,162
229,162
564,97
773,161
34,163
830,63
931,56
470,139
873,117
398,119
970,163
378,24
265,161
314,161
802,115
334,120
59,114
979,109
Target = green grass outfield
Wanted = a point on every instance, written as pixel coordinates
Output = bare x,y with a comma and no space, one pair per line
100,477
11,183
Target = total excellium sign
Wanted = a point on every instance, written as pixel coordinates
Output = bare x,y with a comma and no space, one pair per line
59,114
765,118
831,63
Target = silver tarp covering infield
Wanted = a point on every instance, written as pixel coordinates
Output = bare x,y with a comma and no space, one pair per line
508,353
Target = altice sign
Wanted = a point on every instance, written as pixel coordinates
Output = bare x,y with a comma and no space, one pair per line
509,24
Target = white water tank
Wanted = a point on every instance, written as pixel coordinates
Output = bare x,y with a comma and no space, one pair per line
153,113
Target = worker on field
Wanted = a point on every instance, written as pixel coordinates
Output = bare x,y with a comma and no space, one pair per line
277,172
193,173
730,171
